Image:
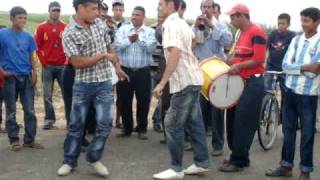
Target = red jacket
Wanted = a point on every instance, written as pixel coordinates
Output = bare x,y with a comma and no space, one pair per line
49,40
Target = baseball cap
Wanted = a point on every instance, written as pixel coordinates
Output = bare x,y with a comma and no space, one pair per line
54,5
117,2
239,8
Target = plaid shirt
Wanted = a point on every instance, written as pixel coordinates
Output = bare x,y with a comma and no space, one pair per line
78,41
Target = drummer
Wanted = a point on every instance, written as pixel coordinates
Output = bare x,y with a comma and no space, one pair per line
248,62
215,35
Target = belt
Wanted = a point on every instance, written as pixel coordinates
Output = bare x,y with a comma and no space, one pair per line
134,69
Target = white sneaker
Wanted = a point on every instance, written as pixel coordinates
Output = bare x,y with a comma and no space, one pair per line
64,170
100,169
195,170
169,174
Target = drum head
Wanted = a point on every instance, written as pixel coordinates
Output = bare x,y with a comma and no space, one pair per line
225,91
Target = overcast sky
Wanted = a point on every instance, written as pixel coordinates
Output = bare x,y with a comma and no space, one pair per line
262,11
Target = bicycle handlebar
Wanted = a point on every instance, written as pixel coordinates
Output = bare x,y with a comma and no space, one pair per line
274,72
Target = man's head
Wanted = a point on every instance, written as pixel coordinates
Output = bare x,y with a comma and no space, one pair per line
167,7
216,10
87,10
239,15
18,17
118,9
207,8
310,19
283,22
138,16
54,10
182,8
103,10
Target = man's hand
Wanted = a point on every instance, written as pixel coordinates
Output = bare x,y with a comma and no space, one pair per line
157,91
313,68
234,69
121,74
34,78
112,57
133,38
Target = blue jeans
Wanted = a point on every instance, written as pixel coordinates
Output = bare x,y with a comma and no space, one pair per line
101,95
303,108
184,111
49,74
14,87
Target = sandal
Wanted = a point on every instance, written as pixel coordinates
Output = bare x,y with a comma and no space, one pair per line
279,172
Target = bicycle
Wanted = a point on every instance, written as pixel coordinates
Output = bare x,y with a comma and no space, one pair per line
269,114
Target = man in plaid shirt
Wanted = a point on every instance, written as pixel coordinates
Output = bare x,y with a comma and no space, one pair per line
87,46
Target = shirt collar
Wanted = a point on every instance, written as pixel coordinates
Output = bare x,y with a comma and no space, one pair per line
142,28
313,38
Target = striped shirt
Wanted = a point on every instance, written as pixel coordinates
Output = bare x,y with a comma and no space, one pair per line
137,54
78,41
302,51
178,34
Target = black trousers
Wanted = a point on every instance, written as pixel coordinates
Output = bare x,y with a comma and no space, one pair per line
165,104
140,86
243,121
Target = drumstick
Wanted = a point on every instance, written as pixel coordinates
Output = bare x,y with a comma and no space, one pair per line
227,88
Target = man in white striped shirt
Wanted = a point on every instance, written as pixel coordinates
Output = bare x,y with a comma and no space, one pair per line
302,66
185,80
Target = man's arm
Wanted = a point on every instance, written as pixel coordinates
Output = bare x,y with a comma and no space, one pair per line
172,63
82,62
121,39
150,42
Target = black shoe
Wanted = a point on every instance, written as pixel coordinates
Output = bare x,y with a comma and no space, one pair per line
135,129
123,135
163,141
47,126
157,128
142,136
229,167
85,142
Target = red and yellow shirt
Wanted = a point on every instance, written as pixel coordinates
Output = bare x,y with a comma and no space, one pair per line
252,45
49,41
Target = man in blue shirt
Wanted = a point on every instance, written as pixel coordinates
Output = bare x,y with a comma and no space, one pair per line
278,43
211,42
302,66
135,43
16,49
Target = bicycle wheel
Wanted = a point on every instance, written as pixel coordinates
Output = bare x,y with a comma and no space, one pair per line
269,121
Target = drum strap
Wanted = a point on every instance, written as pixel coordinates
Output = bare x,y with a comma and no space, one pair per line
236,39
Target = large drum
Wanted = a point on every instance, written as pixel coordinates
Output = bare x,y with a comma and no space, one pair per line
220,88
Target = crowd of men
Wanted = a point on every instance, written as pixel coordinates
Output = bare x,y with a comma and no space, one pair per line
95,56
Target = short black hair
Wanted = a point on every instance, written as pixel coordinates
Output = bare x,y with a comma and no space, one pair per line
17,10
175,2
216,5
183,5
311,12
76,3
117,4
103,6
285,16
140,8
